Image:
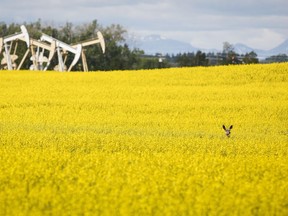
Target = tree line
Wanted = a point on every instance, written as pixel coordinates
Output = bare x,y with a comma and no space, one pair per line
118,55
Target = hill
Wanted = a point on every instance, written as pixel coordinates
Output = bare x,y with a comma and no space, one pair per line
153,44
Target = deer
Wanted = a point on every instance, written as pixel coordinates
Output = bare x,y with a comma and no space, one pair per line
227,131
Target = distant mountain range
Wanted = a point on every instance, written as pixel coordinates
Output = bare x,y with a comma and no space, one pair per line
153,44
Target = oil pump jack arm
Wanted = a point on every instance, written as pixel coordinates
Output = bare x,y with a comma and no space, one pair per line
59,44
33,42
90,42
23,36
50,47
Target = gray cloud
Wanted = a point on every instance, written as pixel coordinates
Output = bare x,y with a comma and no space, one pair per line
257,23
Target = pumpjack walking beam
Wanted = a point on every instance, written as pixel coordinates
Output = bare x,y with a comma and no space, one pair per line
39,58
8,41
61,46
99,40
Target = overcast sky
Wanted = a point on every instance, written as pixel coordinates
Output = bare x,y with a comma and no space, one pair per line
260,24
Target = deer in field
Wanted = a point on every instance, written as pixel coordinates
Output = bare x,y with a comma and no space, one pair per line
227,130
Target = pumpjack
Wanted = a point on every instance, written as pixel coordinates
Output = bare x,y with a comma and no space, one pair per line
39,49
7,42
99,40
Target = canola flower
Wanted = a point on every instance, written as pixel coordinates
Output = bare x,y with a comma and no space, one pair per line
147,142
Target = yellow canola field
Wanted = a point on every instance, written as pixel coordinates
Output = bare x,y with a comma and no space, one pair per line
145,142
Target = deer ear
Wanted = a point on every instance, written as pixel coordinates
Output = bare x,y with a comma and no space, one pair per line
231,127
224,127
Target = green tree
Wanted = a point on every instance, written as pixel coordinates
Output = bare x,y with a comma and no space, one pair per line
250,58
88,31
277,58
200,59
3,29
229,55
66,33
185,59
118,56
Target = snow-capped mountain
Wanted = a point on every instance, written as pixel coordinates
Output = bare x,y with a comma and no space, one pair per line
242,48
153,44
281,49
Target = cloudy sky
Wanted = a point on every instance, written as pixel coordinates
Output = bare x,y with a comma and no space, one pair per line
260,24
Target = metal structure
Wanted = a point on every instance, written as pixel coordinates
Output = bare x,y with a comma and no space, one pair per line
99,40
1,44
61,49
43,51
38,57
9,59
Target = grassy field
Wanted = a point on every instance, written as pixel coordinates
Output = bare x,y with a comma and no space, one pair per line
145,142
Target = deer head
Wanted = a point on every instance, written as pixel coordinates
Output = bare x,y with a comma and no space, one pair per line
227,130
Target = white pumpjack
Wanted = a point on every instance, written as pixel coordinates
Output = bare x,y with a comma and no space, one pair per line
61,49
7,42
99,40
